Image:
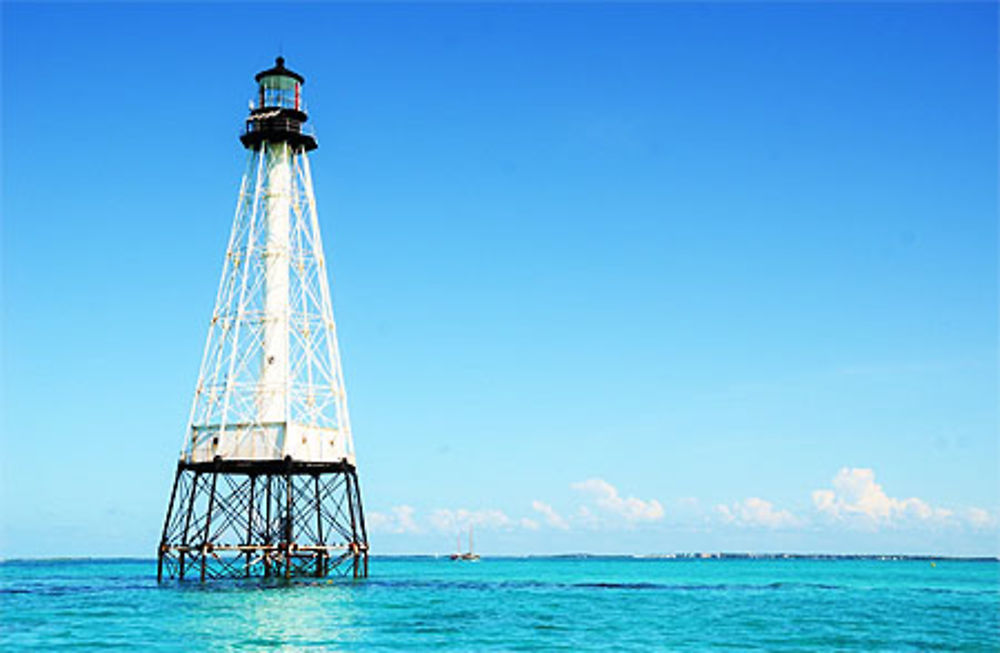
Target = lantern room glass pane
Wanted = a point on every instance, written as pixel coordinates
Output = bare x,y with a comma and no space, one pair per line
278,91
278,82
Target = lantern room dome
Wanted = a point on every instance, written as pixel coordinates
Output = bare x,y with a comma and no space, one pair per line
279,71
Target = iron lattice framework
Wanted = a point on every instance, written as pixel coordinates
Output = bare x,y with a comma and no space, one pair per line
267,366
267,480
286,520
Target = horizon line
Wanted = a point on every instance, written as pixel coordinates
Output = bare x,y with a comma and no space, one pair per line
686,555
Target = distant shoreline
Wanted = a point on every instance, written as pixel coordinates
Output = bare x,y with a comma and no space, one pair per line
657,557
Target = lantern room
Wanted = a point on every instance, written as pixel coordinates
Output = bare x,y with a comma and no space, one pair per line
279,87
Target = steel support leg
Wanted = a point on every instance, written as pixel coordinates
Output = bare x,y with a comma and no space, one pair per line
267,528
250,524
361,519
208,527
320,555
289,531
187,520
166,525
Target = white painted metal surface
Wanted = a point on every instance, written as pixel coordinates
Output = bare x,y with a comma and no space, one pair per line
274,376
271,383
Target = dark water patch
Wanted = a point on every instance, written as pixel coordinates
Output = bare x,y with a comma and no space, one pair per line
484,585
624,586
475,585
264,643
138,585
549,627
717,587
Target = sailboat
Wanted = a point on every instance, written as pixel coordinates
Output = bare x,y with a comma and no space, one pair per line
469,556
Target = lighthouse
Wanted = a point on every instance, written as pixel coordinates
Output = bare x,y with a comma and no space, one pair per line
267,480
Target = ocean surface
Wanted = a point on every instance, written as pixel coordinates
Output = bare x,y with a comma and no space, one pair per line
575,604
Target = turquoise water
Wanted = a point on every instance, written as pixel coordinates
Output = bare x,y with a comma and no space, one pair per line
516,604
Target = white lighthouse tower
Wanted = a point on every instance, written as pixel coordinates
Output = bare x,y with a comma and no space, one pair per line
267,479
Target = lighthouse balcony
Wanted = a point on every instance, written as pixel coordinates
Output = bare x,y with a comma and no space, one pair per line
278,126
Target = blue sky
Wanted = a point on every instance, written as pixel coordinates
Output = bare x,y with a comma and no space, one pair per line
608,278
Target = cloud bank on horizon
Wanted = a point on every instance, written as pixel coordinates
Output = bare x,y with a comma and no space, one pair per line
855,501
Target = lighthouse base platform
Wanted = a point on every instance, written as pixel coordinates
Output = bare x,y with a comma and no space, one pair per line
280,518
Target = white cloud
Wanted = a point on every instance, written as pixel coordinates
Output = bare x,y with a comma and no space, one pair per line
606,496
402,519
451,520
552,518
856,496
754,511
979,518
399,521
585,517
